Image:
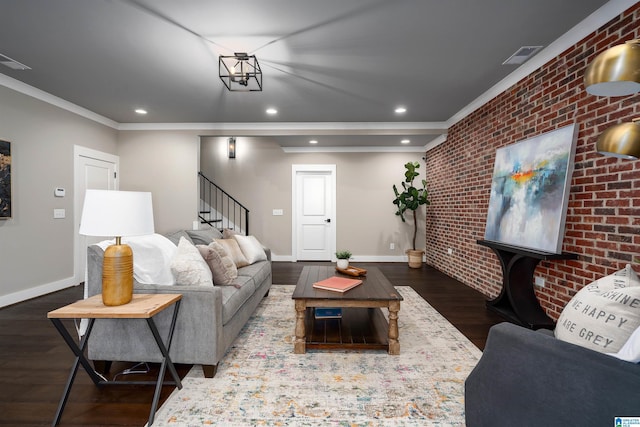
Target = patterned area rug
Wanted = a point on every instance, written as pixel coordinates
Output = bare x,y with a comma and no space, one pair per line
261,382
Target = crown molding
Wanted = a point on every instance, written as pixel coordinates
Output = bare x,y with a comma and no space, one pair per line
18,86
299,128
590,24
371,149
597,19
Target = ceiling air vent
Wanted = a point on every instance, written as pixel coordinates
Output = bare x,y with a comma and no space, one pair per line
12,63
521,55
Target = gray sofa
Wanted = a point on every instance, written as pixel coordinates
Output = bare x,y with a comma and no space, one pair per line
529,378
209,319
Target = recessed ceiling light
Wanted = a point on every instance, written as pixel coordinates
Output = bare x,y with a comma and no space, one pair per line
313,141
400,110
272,111
405,141
141,111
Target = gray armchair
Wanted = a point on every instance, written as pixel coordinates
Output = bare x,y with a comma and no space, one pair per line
529,378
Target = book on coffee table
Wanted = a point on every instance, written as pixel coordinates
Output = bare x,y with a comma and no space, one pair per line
328,313
337,284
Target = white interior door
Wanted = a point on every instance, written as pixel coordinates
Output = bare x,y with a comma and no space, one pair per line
96,171
314,207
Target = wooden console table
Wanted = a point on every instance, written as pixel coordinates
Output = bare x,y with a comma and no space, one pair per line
517,301
143,306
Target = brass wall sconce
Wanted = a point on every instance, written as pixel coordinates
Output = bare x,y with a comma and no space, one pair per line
621,140
616,71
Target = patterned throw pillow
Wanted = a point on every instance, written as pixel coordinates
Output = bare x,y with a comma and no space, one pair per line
188,267
603,315
221,265
232,248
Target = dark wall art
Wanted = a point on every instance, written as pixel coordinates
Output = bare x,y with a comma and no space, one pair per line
5,179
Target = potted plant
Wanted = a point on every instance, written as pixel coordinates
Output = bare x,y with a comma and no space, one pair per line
410,199
343,259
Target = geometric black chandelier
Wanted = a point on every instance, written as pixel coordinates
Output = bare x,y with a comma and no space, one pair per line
240,72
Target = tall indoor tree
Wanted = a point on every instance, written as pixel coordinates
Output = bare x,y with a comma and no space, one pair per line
410,199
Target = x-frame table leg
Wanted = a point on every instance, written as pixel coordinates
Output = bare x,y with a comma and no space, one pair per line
79,349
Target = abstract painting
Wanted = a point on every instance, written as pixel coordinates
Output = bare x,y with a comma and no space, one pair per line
5,180
530,191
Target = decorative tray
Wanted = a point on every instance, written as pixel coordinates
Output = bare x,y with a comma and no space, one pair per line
352,271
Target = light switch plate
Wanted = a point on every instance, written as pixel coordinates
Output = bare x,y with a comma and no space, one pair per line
59,213
278,212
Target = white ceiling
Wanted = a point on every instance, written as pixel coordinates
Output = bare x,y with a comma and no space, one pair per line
334,69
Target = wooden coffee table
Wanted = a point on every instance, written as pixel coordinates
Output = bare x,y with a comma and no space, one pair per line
362,326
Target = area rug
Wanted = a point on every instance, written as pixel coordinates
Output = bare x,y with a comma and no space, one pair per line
261,382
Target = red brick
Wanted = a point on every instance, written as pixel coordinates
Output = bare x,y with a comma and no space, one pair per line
602,223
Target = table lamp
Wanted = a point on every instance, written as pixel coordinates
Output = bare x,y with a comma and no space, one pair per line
117,214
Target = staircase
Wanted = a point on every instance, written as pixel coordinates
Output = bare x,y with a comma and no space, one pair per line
219,209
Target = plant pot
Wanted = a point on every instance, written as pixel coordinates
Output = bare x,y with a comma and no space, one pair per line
415,258
343,263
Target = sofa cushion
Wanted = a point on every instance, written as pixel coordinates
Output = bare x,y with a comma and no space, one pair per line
603,315
233,298
204,237
188,266
222,267
175,237
259,271
234,251
251,248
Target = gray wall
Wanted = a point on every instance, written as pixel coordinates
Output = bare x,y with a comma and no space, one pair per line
36,251
166,164
260,177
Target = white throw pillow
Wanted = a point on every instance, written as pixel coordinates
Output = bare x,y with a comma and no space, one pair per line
251,248
603,315
152,255
630,351
188,266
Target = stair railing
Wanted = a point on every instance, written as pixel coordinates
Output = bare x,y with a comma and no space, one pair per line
219,210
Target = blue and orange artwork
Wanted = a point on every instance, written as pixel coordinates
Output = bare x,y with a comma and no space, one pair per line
530,190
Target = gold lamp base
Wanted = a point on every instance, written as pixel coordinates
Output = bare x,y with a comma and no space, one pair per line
117,274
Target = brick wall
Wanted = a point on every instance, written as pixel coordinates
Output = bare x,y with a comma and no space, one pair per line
603,217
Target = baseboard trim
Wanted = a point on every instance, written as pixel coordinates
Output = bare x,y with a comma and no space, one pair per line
358,258
38,291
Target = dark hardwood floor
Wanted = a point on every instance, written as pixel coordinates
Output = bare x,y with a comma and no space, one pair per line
35,361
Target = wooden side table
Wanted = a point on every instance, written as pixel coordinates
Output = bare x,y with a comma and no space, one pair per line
143,306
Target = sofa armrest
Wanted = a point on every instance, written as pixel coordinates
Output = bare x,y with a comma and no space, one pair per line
198,330
528,378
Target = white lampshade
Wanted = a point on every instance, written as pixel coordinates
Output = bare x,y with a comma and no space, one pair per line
117,213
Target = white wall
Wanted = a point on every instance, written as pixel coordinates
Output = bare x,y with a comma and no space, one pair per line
260,178
36,251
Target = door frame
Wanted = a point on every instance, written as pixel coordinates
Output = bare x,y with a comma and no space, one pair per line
80,152
295,169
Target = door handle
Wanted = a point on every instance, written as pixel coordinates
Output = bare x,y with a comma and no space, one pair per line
327,220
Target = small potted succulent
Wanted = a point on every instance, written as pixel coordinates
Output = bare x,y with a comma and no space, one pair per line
343,259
